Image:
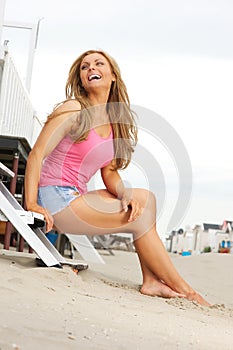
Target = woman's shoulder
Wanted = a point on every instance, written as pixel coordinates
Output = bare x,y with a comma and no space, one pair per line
66,110
68,106
58,124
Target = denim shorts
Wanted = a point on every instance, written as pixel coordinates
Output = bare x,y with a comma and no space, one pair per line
56,198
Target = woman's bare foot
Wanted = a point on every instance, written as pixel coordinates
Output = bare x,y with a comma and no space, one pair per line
159,289
193,296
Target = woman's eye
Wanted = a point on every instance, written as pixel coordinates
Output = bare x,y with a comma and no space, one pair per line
99,63
83,67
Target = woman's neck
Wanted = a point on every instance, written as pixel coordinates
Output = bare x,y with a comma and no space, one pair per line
99,114
98,98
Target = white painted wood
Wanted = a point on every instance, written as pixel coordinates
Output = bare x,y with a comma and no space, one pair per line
85,248
17,115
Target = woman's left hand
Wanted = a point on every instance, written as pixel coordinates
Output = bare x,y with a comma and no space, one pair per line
135,207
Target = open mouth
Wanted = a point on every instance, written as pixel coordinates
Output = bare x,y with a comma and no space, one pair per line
94,77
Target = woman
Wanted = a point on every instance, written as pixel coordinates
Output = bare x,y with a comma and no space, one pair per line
95,129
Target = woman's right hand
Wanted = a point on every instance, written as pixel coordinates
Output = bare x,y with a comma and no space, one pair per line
45,212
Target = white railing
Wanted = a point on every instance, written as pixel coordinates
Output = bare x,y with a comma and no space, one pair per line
17,116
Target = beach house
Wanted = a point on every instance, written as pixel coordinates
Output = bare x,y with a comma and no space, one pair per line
208,237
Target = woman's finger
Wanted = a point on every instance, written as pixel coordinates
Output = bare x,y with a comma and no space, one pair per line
124,204
49,221
135,211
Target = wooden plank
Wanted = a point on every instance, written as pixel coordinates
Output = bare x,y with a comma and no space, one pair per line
5,171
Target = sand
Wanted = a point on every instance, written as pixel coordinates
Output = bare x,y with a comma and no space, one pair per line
101,308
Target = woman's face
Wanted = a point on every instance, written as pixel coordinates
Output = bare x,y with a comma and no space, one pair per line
95,72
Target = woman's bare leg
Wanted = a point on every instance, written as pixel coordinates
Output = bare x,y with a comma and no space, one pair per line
83,217
155,257
153,286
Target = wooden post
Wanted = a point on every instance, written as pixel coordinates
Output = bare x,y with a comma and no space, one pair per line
8,230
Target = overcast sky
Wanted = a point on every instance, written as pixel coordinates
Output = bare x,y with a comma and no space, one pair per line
176,57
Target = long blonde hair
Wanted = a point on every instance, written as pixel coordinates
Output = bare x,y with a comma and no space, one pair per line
118,107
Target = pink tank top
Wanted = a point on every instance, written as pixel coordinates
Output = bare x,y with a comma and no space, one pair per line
73,164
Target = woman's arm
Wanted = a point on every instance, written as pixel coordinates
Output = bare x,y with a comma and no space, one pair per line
115,185
52,133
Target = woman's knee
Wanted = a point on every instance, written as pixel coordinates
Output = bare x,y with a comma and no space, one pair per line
146,198
145,223
147,218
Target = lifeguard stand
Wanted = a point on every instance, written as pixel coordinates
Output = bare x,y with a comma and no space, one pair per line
29,224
